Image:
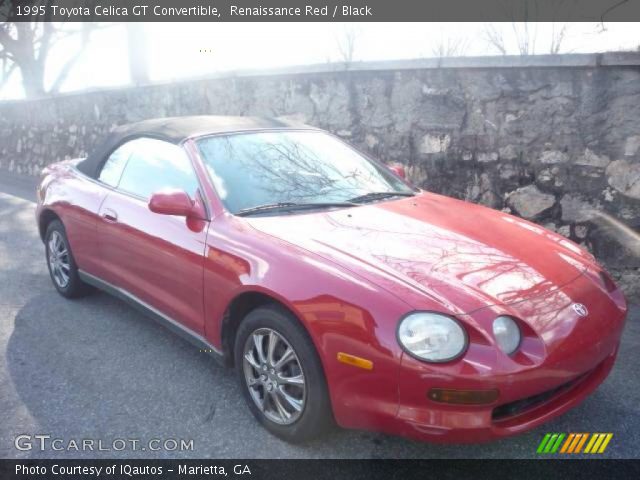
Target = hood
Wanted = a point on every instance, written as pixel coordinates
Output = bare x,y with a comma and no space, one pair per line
461,255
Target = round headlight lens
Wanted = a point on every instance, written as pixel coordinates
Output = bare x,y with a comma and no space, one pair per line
432,337
507,334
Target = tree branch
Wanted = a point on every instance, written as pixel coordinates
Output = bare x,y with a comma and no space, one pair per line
608,11
44,42
6,40
6,55
495,38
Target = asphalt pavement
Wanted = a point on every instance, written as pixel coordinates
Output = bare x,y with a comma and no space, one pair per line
95,369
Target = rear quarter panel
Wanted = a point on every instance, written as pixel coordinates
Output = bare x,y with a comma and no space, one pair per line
75,199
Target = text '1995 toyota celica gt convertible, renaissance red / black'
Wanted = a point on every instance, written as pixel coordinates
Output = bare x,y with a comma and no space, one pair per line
339,292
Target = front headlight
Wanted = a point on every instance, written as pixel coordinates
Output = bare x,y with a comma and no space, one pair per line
432,337
507,334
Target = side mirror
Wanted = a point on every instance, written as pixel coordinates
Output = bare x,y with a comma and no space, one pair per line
398,170
172,203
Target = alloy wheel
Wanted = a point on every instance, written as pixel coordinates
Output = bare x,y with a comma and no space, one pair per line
274,376
59,261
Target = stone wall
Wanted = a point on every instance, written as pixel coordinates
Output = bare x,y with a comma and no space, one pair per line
555,139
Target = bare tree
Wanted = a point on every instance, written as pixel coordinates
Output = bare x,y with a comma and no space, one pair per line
347,45
607,11
525,37
558,34
450,47
495,38
563,8
526,34
25,46
6,68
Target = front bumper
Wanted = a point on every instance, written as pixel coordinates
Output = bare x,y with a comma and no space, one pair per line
563,357
451,424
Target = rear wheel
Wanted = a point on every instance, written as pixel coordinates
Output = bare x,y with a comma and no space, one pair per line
62,267
281,376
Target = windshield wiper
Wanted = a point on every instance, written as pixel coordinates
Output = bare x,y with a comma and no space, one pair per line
380,195
292,206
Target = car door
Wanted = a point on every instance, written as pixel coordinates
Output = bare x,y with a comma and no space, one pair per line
156,258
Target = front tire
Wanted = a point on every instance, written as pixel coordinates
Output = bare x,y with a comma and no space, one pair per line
62,266
281,376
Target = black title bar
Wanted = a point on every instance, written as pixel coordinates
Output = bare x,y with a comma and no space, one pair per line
319,10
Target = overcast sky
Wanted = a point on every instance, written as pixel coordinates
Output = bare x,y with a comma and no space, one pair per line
174,48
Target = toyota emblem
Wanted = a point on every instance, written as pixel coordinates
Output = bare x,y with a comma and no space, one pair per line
580,309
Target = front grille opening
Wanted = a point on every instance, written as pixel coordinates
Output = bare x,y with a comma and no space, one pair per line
518,407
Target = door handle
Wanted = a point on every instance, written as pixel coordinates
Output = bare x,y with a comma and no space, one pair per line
109,215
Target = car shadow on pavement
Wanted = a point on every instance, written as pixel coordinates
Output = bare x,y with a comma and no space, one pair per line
95,367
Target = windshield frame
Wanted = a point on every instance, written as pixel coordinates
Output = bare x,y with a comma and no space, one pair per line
196,139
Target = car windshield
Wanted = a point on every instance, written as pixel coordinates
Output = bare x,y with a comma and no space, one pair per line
279,170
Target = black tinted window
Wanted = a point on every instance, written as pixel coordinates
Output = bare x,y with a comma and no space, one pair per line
155,165
113,167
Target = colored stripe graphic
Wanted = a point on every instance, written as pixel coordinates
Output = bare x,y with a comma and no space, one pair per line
555,447
606,441
592,441
573,443
597,442
551,442
583,438
568,442
543,443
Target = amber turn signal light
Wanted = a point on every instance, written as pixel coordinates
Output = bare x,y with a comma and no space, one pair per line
355,361
463,397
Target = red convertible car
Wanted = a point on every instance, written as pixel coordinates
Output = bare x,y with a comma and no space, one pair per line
338,291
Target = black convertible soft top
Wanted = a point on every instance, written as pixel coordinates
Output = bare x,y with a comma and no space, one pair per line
176,130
